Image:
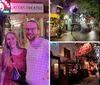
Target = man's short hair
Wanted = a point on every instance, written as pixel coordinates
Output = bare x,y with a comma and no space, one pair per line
34,21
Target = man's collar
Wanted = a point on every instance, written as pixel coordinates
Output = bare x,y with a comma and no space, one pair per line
36,43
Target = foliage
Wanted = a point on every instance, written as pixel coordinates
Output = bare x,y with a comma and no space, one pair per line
62,15
99,64
90,7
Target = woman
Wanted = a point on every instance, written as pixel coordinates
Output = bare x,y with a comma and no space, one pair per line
11,48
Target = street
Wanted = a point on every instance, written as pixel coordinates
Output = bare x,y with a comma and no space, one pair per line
79,36
89,81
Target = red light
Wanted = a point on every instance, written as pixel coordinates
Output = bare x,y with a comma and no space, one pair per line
6,3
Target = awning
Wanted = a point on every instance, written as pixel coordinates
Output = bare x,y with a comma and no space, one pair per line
67,61
54,16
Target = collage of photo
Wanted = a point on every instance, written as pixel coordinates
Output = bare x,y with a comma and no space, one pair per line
74,42
49,42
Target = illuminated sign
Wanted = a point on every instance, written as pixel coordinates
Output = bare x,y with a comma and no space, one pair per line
1,7
26,8
54,15
86,48
5,6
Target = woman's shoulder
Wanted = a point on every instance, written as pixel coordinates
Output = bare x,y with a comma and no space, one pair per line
44,41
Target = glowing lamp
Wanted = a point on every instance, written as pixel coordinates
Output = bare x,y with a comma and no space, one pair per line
1,7
73,8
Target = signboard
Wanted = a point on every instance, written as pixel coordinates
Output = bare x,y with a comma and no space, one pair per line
5,6
26,8
86,48
54,16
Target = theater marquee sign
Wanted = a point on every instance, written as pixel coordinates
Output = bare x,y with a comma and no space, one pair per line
27,8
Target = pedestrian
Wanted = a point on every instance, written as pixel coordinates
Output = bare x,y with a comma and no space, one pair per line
11,48
71,29
37,58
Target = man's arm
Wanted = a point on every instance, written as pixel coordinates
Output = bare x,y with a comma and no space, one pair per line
46,76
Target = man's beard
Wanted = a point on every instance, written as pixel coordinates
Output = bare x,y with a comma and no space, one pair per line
31,38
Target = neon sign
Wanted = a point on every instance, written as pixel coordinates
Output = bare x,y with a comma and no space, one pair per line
5,6
1,7
86,48
6,3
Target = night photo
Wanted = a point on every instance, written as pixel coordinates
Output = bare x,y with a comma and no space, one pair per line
75,20
75,63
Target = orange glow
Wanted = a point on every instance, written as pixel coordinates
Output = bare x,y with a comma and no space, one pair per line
56,69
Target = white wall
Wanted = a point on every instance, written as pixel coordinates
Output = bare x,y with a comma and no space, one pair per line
54,47
69,46
58,49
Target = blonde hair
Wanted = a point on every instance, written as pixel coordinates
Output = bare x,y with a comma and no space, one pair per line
5,54
6,50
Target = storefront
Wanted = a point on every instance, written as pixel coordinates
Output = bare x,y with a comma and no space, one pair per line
17,24
54,24
76,60
55,12
21,13
89,58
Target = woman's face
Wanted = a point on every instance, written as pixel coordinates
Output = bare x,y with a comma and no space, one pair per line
11,40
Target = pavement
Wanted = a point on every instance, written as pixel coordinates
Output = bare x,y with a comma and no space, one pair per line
79,36
89,81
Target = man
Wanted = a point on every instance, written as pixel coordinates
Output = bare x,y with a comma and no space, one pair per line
37,58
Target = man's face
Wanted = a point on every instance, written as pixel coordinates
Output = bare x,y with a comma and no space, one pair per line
31,31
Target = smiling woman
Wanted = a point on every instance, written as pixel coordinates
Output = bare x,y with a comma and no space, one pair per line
18,54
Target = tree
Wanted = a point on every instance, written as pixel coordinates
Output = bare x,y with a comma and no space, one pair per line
91,7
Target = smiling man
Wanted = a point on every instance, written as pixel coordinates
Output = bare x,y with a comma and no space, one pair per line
37,59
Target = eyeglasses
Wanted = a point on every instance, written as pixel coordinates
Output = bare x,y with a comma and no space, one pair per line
31,29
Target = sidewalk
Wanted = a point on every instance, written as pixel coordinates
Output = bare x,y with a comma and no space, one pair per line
78,36
89,81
